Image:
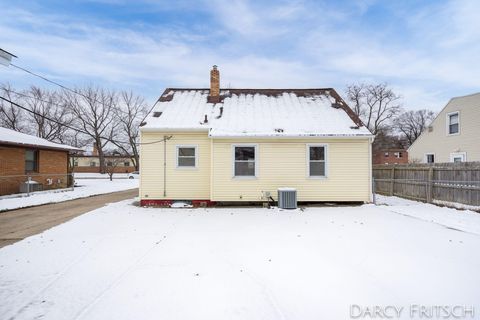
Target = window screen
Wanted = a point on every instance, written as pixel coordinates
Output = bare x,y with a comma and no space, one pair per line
317,161
245,161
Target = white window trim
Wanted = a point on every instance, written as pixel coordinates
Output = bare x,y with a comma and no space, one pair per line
458,154
448,123
307,153
177,147
233,160
425,157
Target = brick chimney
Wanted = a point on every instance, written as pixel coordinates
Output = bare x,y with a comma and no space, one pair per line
214,96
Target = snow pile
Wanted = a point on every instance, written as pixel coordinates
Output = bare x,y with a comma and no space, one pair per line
85,188
282,115
124,262
12,136
464,220
179,204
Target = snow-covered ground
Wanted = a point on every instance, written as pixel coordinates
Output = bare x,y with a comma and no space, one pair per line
125,262
92,175
465,220
85,188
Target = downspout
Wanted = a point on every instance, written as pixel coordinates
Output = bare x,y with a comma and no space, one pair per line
165,138
164,166
370,173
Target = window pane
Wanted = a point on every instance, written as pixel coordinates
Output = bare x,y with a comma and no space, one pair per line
186,162
430,158
317,168
245,168
189,152
29,165
317,153
244,153
31,160
457,159
29,155
453,128
454,118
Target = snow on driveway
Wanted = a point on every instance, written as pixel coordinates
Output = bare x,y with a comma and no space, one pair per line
125,262
84,188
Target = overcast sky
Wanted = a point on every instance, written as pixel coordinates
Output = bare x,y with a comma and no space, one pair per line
428,51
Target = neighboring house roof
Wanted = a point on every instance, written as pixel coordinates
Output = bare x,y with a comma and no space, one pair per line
12,137
256,113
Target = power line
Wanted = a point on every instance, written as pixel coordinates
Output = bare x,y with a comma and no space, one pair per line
68,126
54,82
71,90
43,116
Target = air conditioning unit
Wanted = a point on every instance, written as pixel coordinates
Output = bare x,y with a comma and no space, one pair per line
31,186
287,198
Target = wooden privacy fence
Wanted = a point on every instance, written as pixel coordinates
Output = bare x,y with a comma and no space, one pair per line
449,182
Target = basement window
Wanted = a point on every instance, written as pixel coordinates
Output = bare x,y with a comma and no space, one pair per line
317,160
245,161
31,160
430,158
186,156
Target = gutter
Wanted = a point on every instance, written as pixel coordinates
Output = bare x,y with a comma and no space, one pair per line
143,129
366,136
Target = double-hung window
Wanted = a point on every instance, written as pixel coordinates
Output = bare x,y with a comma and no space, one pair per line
186,156
31,160
244,161
453,123
317,161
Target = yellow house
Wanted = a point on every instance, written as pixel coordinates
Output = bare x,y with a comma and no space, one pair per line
217,145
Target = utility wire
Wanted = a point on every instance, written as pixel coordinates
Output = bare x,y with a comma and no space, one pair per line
68,126
68,89
55,83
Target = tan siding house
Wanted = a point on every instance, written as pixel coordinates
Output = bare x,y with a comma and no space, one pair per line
454,135
246,143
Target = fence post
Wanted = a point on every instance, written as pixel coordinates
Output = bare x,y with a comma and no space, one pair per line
392,179
430,185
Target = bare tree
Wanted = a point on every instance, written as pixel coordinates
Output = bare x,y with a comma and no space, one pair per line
375,104
50,114
130,112
412,123
93,109
111,166
11,116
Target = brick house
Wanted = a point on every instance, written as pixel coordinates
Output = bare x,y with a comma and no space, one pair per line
390,156
23,156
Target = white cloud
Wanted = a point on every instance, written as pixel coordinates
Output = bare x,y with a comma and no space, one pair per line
290,44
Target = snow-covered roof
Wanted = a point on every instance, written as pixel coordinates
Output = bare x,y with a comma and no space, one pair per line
256,113
12,137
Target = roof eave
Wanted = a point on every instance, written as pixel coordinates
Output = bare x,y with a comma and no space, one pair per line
160,129
36,146
312,136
